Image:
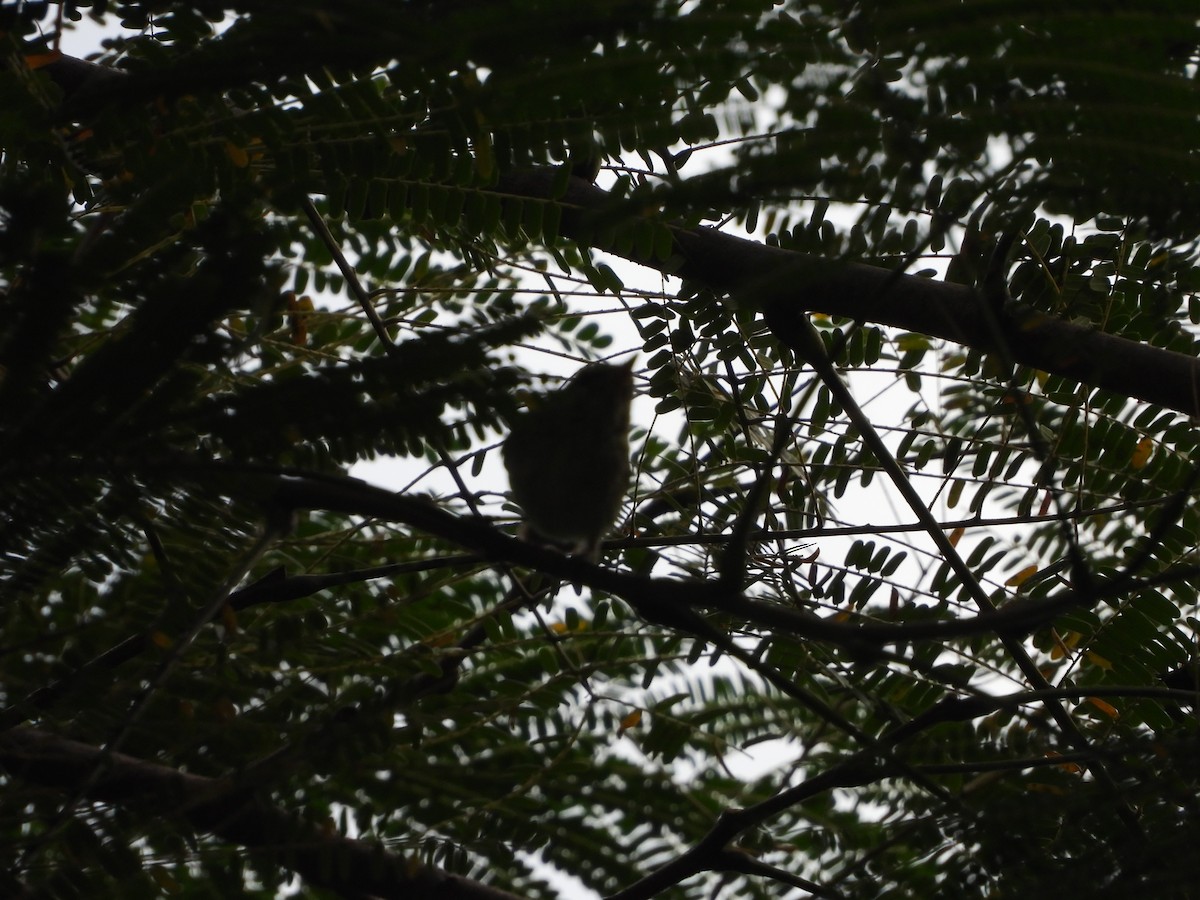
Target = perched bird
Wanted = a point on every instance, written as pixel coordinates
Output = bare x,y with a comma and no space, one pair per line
568,459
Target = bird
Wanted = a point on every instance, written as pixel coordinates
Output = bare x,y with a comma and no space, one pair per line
568,459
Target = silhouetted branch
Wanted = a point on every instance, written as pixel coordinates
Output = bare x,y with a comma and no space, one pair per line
348,867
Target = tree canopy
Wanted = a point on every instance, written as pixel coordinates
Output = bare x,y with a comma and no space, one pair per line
902,600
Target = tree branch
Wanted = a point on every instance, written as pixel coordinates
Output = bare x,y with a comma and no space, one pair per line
351,868
791,284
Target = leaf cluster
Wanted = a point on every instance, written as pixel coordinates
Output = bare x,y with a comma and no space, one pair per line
189,382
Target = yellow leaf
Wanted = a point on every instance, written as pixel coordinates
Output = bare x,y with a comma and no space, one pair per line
1019,578
1097,660
1107,708
299,310
1141,453
1066,766
229,619
237,155
631,721
1063,646
956,536
161,640
38,60
912,342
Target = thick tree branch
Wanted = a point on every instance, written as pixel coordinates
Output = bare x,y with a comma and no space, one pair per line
666,601
788,285
350,868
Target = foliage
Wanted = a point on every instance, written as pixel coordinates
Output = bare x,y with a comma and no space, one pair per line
953,594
